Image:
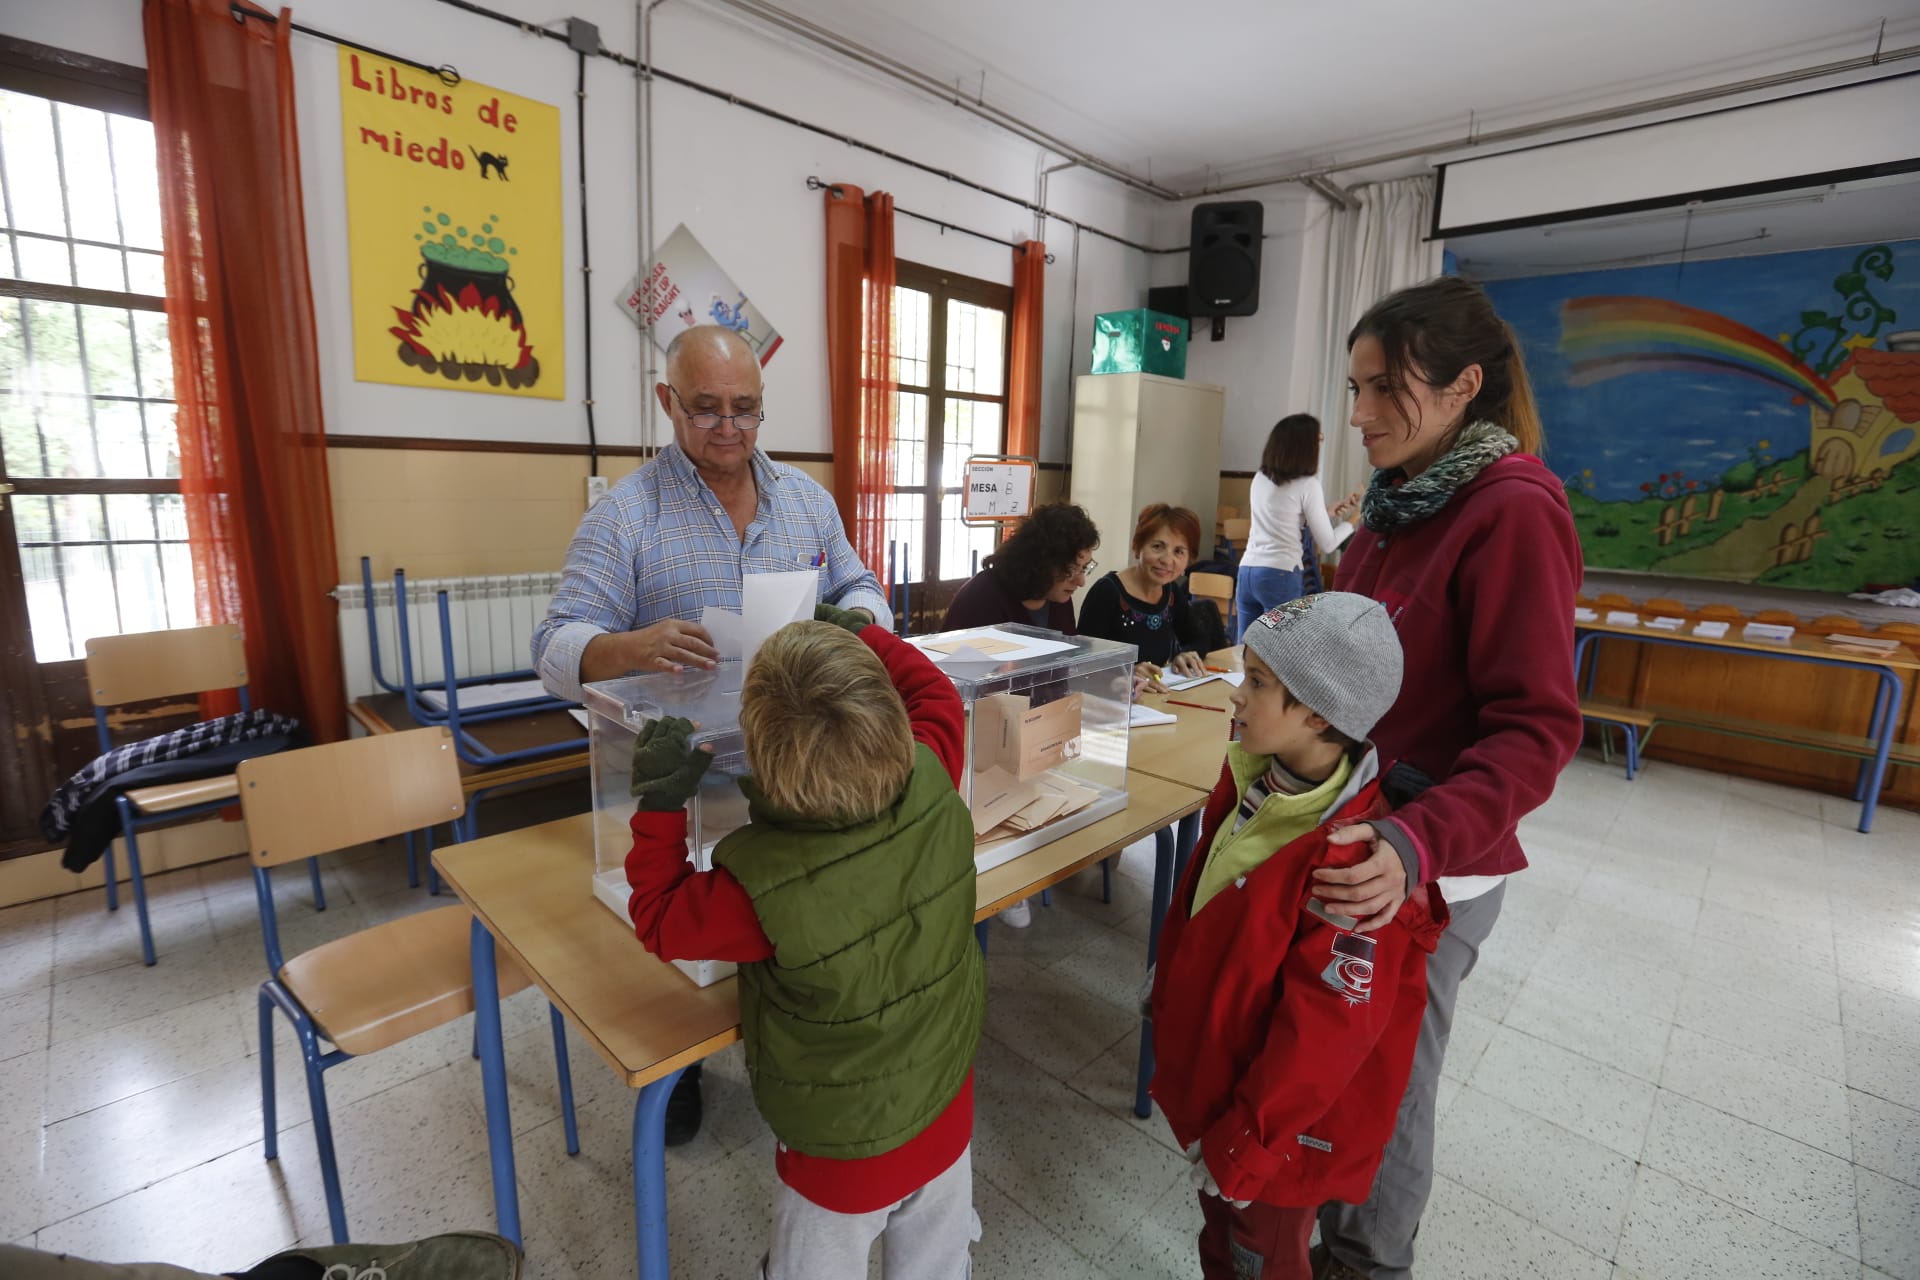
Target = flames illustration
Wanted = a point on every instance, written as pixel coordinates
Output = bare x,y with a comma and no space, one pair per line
465,336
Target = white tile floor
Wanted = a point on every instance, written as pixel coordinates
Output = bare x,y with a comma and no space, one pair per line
1692,1049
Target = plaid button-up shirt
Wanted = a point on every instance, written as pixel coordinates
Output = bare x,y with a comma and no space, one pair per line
660,546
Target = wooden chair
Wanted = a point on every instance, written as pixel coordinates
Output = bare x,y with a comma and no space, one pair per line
165,664
1836,624
1217,587
1907,633
1720,613
1778,617
1661,607
1237,530
385,984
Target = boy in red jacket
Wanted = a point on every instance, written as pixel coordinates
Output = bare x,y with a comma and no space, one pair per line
1284,1036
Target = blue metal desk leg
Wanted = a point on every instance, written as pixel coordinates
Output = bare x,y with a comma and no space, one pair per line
650,1176
493,1078
980,935
1890,693
1164,849
1873,731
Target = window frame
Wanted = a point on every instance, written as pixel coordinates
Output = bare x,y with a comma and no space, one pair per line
80,80
942,287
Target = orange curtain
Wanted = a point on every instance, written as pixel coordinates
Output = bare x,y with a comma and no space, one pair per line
860,372
1024,347
253,448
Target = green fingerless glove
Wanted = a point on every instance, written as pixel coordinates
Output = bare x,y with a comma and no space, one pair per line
666,771
852,621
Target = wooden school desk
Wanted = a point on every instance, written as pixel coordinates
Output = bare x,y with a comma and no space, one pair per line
528,891
1876,749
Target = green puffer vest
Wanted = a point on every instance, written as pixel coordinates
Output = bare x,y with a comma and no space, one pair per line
863,1026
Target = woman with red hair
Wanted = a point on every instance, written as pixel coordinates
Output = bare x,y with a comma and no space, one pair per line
1146,603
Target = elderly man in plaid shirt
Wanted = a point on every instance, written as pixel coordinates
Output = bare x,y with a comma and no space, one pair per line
677,535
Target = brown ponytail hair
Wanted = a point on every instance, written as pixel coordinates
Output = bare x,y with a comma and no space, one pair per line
1434,330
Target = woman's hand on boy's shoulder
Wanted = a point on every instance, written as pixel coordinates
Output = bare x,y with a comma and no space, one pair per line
1370,890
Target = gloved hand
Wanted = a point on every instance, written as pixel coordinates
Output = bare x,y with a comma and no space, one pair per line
666,771
852,620
1202,1177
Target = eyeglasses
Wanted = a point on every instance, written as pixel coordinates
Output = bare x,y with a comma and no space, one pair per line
1083,570
707,421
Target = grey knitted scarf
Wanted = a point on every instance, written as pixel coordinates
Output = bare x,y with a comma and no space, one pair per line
1394,503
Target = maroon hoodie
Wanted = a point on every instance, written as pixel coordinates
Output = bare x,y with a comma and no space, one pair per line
1482,596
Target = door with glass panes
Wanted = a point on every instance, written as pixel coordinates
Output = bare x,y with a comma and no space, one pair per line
93,536
950,361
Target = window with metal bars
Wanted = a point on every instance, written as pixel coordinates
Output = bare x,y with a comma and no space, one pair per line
949,408
88,447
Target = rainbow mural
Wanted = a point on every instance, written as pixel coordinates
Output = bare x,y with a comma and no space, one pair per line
1607,337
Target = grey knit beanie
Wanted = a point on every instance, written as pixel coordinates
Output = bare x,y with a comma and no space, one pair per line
1337,653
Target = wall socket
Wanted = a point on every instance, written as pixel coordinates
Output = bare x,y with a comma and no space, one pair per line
596,489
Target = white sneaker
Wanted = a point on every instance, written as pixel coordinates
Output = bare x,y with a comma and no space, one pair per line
1017,916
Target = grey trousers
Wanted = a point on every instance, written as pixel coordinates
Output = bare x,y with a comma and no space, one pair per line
924,1237
1376,1238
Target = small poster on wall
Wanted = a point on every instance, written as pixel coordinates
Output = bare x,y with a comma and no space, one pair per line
684,287
454,232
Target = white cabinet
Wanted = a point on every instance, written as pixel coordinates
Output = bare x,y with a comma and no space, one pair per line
1140,438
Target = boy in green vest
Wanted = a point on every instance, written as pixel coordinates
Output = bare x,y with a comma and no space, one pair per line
847,900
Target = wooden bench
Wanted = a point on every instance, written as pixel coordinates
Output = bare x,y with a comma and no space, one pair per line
1638,724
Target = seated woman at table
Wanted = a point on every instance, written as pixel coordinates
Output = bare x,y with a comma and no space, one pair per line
1033,576
1147,603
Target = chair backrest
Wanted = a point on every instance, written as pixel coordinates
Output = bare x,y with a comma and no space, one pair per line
1662,607
1721,613
159,664
1907,633
1225,512
1778,617
299,804
1836,624
1213,586
1237,529
1612,600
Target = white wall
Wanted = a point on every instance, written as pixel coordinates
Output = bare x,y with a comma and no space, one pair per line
737,179
1266,360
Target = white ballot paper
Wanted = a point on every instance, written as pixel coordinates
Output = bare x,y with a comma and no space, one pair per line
769,601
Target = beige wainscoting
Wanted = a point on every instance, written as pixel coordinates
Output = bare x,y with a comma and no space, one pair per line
441,512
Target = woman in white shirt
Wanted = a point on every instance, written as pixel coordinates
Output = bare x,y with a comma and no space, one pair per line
1286,493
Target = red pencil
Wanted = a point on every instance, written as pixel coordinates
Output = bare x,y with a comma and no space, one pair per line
1198,706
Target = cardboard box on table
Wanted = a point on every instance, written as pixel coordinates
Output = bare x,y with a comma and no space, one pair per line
1046,731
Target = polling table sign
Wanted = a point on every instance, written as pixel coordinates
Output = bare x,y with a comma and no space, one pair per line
998,488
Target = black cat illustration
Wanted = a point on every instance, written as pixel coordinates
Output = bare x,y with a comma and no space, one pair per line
488,160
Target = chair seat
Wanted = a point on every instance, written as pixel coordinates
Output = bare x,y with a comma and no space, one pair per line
184,795
382,985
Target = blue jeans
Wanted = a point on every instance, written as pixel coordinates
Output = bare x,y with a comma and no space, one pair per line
1259,589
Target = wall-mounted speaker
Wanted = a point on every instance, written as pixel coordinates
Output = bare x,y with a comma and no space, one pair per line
1223,260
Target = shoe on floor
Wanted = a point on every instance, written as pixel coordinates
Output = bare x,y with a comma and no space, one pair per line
1327,1267
684,1109
1017,916
458,1255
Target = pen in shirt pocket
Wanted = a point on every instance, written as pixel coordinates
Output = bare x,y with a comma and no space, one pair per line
816,561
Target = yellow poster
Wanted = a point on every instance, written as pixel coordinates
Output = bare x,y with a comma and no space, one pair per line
454,232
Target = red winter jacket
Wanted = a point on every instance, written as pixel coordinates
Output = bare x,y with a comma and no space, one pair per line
1482,596
1284,1043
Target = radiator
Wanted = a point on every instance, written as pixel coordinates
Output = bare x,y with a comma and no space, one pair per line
492,622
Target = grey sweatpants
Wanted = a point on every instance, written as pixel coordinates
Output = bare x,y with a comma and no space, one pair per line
923,1237
1376,1238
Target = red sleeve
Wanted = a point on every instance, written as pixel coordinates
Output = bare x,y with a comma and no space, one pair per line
680,914
1513,594
933,706
1317,1041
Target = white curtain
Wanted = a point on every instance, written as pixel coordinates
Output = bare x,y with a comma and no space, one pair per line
1371,251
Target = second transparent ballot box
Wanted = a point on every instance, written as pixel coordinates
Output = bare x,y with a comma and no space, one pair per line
617,710
1047,719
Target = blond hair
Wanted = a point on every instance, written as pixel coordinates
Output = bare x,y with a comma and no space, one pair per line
826,733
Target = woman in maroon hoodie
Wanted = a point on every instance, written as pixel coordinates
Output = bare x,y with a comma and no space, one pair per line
1469,543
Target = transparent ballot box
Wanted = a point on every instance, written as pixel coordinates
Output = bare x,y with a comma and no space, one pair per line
617,710
1047,720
